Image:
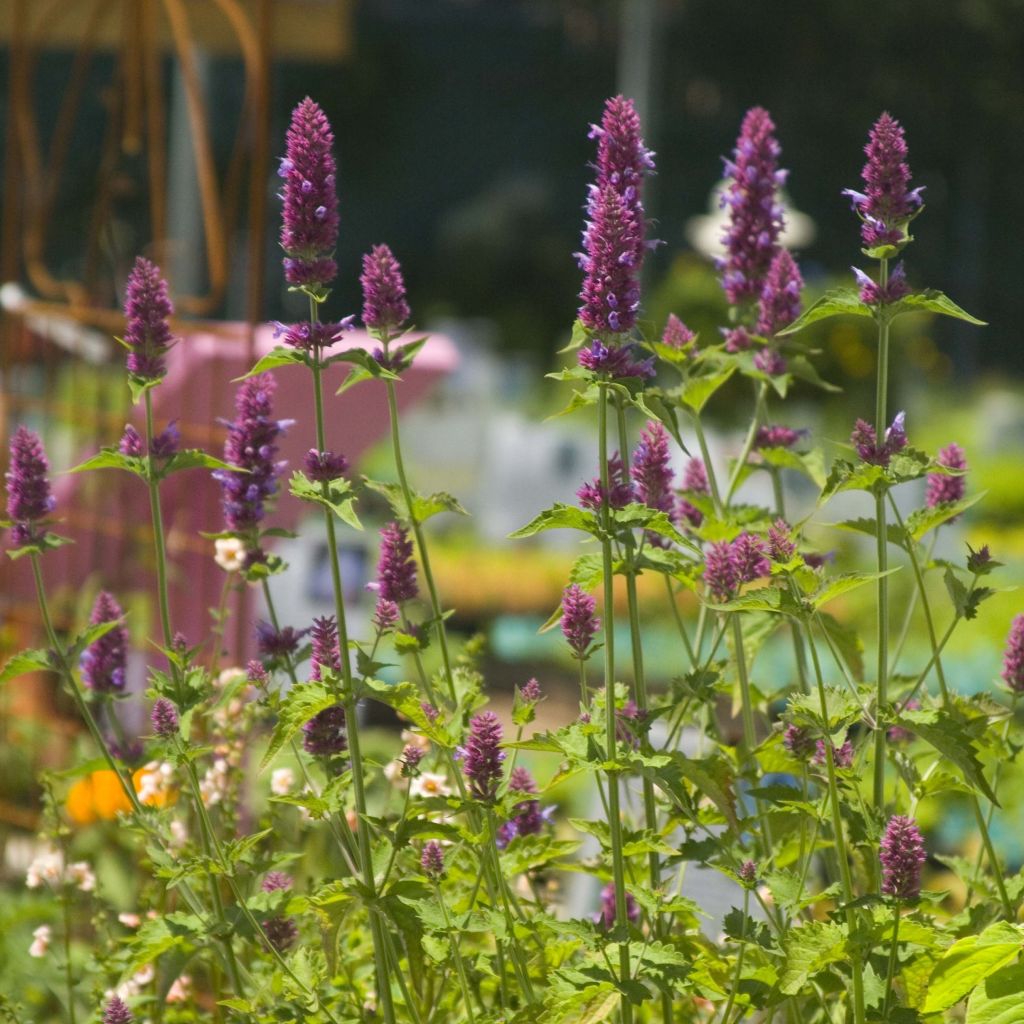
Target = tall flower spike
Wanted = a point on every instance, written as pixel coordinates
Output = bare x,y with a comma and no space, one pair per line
164,718
888,201
943,489
103,661
721,572
579,623
677,334
309,230
902,856
326,653
651,472
1013,658
28,488
147,308
384,305
117,1012
755,214
482,755
780,298
432,859
620,490
324,735
251,445
529,819
606,918
396,570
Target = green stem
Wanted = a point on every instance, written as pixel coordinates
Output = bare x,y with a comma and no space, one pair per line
615,820
698,429
738,972
69,977
890,974
158,532
748,443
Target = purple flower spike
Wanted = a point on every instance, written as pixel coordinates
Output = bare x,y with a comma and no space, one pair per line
776,436
695,477
278,643
579,623
482,755
622,158
751,558
780,541
721,571
411,756
432,859
651,472
117,1012
326,653
1013,658
252,446
737,339
529,819
385,615
887,202
770,361
799,742
780,298
606,918
591,495
902,856
164,718
275,881
748,873
131,443
677,334
281,932
384,307
615,361
324,735
842,756
324,466
943,489
755,214
309,231
103,661
873,294
312,336
396,570
167,443
28,488
865,441
531,693
147,308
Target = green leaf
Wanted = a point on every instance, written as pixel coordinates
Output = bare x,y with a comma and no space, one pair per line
969,961
698,390
711,776
26,662
560,517
280,356
847,642
366,365
999,999
193,458
935,302
803,368
811,464
337,495
300,704
111,458
587,571
846,582
835,302
425,507
807,950
138,386
924,520
841,710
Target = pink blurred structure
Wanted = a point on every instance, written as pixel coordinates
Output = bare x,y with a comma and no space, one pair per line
107,512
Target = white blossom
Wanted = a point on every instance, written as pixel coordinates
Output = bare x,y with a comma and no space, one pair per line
282,780
230,553
40,941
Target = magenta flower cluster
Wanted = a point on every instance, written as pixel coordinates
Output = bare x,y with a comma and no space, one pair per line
147,308
384,306
902,856
396,569
620,491
606,917
164,718
103,661
579,623
943,488
529,819
1013,657
482,755
865,440
730,564
325,735
28,488
779,303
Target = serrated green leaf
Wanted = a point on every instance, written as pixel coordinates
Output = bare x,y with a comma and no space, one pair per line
807,950
841,710
299,705
999,999
969,961
844,583
425,507
711,776
560,517
835,302
935,301
111,458
811,464
697,391
193,458
923,520
280,356
27,661
337,495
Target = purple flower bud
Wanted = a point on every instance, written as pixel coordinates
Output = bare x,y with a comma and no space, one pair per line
167,443
606,918
326,652
695,478
411,757
257,674
887,201
312,336
622,159
276,881
103,661
749,554
324,735
252,446
799,742
324,466
116,1012
591,495
281,932
530,692
737,339
28,488
1013,657
309,231
430,711
579,623
385,615
980,559
384,306
721,571
865,441
529,819
842,756
274,643
748,873
396,569
482,755
164,718
874,294
780,544
943,489
432,859
131,443
780,298
770,361
651,472
755,215
902,856
617,361
775,436
147,308
677,334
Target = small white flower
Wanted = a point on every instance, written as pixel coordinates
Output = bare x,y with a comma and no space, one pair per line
230,554
156,778
179,834
281,781
229,675
430,784
130,920
40,941
180,991
47,866
393,771
214,785
81,874
416,739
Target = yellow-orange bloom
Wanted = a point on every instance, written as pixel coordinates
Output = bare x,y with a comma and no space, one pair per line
100,795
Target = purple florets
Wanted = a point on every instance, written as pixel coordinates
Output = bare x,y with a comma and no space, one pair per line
591,495
617,361
530,692
755,214
147,308
842,757
411,756
651,472
131,443
721,573
432,859
28,488
798,742
902,856
770,361
887,201
695,477
865,441
281,932
326,653
1013,657
324,735
748,873
579,623
529,819
622,158
117,1012
780,543
606,918
482,755
876,294
278,643
312,336
396,570
737,339
276,881
167,443
164,718
751,557
780,298
385,615
251,445
677,334
776,436
324,466
309,230
384,306
103,661
943,489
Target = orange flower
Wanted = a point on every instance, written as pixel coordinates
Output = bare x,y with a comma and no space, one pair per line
100,795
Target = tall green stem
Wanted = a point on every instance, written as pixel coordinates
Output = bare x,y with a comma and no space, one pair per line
615,820
890,974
